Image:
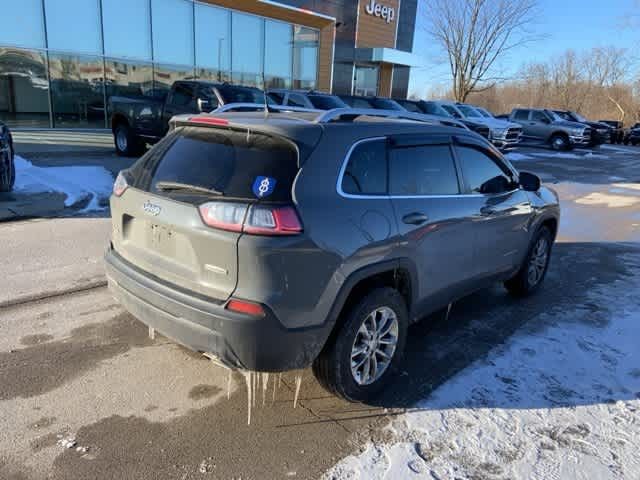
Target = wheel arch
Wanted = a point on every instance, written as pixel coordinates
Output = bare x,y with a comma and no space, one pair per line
118,119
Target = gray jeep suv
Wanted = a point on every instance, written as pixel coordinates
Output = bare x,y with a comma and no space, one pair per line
294,239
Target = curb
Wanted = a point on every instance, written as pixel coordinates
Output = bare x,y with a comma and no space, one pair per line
36,297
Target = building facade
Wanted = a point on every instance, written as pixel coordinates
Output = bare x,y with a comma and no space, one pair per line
61,60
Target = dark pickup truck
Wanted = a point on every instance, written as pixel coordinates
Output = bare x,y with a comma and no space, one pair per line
136,121
617,130
600,132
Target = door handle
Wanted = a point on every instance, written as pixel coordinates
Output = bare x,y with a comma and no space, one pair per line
415,218
487,211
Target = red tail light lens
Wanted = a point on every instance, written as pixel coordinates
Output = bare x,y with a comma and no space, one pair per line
209,120
120,185
248,308
224,215
255,220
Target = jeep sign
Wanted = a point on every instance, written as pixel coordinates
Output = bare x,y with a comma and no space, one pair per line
378,10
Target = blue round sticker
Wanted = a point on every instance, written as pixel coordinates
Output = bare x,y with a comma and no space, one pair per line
263,186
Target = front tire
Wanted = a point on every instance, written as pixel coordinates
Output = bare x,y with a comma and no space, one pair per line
366,349
534,269
560,142
8,172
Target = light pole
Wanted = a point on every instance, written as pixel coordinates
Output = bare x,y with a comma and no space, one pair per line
220,40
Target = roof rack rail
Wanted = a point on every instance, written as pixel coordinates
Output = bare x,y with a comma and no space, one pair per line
231,107
336,113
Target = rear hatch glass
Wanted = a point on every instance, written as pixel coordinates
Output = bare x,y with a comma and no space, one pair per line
161,231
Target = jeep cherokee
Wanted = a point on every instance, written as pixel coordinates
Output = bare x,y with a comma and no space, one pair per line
294,239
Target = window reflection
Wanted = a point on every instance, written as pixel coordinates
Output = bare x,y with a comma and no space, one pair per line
24,89
213,41
172,31
77,90
247,49
127,28
127,79
74,25
305,57
278,51
26,27
212,75
165,75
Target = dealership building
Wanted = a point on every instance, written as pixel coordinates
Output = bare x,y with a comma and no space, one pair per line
61,60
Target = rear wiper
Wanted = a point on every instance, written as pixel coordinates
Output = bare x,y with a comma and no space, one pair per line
185,187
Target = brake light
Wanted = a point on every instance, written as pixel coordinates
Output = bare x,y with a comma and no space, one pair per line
248,308
120,185
255,219
209,120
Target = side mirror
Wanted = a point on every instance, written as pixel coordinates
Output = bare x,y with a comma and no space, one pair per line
530,182
203,105
495,185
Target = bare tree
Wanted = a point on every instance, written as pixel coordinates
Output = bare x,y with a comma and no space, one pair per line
474,34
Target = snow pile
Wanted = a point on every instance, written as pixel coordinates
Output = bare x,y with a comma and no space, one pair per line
555,403
78,183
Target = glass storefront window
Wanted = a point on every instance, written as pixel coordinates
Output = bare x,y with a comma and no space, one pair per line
77,90
165,75
278,54
305,57
24,88
127,28
213,41
25,27
210,75
247,48
172,22
127,79
74,25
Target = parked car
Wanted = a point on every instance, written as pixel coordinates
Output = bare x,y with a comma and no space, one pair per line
379,103
7,164
544,126
600,132
431,108
502,133
632,136
306,99
136,121
294,240
617,130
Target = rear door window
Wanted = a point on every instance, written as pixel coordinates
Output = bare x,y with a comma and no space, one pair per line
296,100
182,95
422,170
223,160
521,115
366,172
482,173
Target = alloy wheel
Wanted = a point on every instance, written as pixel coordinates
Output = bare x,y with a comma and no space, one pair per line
374,346
538,261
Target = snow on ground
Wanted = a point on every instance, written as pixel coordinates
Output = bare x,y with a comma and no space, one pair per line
562,402
78,183
515,156
589,155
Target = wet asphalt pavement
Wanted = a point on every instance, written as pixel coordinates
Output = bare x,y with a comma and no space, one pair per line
75,366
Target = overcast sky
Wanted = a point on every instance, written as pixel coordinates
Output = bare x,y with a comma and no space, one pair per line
564,24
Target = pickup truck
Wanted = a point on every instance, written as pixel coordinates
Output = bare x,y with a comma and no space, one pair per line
136,121
541,125
600,132
617,130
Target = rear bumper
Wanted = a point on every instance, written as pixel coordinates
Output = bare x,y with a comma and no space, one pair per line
239,341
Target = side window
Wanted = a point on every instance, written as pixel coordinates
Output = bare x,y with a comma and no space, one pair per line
482,173
296,100
521,115
182,95
537,116
422,170
366,172
276,97
209,95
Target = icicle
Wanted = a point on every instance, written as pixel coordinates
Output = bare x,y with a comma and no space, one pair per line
152,333
229,385
265,384
446,318
279,379
275,384
248,377
254,385
298,383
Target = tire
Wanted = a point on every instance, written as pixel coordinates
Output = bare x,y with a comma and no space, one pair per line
334,368
560,142
523,283
126,142
8,172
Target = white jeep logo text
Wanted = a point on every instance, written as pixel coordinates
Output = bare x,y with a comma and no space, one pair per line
377,10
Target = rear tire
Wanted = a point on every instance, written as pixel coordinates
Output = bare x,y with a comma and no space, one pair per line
126,142
560,142
7,171
353,365
534,269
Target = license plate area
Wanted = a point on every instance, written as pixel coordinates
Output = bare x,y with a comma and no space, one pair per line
161,239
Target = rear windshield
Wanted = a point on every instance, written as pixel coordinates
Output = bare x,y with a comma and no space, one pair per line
233,163
326,102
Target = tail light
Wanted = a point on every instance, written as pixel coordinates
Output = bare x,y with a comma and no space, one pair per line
249,308
120,185
255,219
